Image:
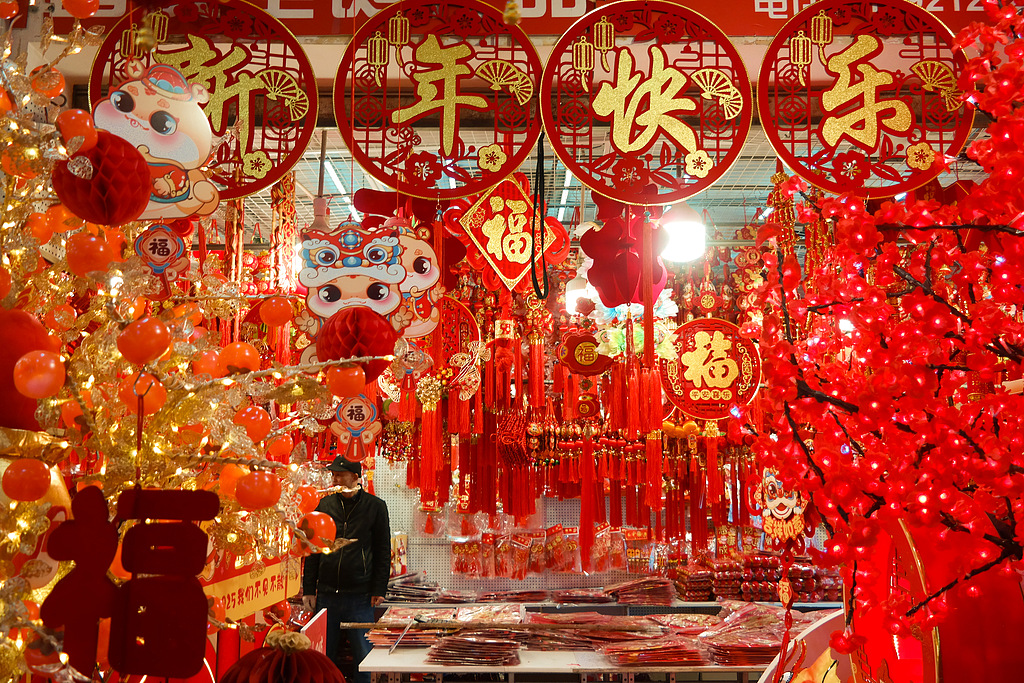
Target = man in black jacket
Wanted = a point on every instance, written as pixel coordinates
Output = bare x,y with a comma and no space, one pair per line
352,579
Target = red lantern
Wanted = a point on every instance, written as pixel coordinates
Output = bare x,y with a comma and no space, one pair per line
357,331
26,479
258,490
143,340
116,190
39,374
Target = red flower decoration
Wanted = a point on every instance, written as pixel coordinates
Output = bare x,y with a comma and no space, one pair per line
465,22
630,172
850,169
668,28
888,21
616,250
236,25
623,21
186,12
422,168
418,16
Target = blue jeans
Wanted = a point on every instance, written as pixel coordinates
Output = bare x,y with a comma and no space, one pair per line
352,607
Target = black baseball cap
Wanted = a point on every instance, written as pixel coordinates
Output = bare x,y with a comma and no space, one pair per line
342,464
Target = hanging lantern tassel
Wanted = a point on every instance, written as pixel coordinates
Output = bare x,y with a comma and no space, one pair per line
587,499
653,454
716,488
537,367
429,393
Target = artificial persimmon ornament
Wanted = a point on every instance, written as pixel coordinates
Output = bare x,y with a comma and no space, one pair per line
240,357
346,381
19,334
5,282
256,421
61,219
60,317
108,184
307,498
47,81
285,658
146,386
88,253
20,160
319,528
280,446
208,363
144,340
358,331
81,9
26,479
258,490
278,612
78,123
228,478
8,9
276,311
39,374
38,226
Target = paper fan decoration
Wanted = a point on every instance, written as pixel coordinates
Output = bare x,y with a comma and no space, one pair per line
715,85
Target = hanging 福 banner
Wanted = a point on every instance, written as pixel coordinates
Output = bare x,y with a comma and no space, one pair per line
242,66
649,102
863,98
409,102
714,369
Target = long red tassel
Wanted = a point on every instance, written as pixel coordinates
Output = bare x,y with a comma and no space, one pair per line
653,479
587,503
430,453
537,371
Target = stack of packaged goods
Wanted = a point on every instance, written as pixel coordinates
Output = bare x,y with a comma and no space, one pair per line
414,637
650,590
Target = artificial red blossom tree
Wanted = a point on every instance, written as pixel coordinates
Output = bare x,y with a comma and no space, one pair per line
885,362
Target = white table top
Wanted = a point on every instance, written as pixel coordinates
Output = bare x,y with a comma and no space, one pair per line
413,660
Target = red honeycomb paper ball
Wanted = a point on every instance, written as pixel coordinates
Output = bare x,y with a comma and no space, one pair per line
357,331
119,188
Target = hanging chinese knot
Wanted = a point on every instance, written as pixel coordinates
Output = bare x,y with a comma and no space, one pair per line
404,84
256,87
715,369
863,98
650,102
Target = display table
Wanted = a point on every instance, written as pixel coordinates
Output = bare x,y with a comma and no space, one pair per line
577,662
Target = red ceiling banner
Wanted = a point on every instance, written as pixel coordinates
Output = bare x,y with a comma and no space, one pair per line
415,61
257,83
650,102
863,98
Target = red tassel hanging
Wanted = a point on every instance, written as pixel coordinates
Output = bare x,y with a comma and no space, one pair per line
698,514
537,370
615,505
587,502
407,399
431,455
653,479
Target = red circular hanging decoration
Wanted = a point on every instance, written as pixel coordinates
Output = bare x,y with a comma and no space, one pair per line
413,62
863,98
649,102
714,369
258,78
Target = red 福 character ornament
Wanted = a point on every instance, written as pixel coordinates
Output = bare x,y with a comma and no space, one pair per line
85,595
159,628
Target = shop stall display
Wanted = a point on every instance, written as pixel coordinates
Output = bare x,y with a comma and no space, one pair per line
611,434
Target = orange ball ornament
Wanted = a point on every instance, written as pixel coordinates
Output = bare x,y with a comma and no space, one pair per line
208,363
38,225
319,528
308,498
346,381
143,384
5,282
69,414
229,476
62,220
39,374
240,357
256,421
47,81
19,160
8,9
81,9
258,490
87,254
280,446
281,611
276,312
60,317
144,340
26,479
78,123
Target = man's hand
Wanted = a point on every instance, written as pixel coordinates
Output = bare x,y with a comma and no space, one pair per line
309,602
377,600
